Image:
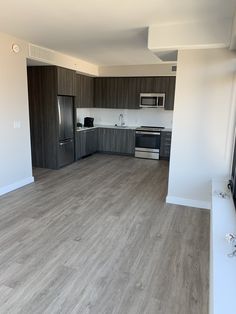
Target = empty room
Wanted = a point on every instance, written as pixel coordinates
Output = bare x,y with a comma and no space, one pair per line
118,157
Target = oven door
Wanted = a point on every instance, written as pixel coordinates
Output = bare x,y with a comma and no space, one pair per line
148,141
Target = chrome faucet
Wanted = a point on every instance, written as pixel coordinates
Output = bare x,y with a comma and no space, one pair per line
121,119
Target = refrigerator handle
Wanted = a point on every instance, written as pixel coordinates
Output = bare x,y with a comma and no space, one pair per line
59,112
65,142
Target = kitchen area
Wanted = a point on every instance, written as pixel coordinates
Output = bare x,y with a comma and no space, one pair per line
73,116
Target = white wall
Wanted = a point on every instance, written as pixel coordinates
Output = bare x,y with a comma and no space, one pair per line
15,152
191,35
15,156
49,56
138,70
202,124
156,117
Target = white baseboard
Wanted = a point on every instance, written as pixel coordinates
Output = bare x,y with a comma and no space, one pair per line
188,202
16,185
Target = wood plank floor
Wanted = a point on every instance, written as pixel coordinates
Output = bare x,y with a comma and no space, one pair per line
97,237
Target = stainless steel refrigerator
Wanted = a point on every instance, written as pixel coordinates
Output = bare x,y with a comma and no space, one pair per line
66,130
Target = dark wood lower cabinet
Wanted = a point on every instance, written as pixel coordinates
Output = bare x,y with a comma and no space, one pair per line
119,141
106,140
91,141
165,144
86,143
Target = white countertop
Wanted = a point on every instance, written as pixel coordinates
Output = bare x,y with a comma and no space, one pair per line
129,127
222,267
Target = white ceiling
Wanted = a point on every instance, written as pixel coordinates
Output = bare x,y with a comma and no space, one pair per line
104,32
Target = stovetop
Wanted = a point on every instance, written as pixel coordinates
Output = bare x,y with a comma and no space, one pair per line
149,128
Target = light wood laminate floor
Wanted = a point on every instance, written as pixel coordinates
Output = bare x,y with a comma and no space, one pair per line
96,237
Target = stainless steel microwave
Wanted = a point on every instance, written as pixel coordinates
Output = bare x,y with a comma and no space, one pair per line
152,100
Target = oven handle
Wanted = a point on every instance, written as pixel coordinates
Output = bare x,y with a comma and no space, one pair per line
148,133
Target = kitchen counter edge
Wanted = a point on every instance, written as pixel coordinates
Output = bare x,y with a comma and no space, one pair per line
116,127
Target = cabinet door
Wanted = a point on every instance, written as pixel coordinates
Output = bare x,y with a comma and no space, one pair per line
170,94
91,141
130,142
80,144
105,140
89,91
111,92
124,141
160,84
84,91
134,88
118,141
146,85
100,100
121,92
65,81
86,143
165,144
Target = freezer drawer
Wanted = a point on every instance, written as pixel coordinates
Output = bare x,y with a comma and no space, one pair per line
65,153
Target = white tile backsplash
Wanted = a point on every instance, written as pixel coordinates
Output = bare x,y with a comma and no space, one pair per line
148,116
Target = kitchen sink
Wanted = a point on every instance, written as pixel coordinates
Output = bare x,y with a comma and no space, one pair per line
121,126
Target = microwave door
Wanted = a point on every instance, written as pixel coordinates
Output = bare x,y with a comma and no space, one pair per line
148,101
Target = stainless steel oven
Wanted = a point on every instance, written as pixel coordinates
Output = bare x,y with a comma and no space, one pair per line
147,142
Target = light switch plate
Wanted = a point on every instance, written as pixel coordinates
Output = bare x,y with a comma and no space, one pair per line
17,124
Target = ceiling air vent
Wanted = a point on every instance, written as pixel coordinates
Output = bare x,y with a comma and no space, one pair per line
39,53
173,68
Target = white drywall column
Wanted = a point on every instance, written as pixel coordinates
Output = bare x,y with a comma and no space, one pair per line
203,103
15,155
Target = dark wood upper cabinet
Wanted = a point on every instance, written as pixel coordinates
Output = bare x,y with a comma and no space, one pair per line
122,87
146,84
65,81
84,91
133,84
160,84
99,92
124,92
111,92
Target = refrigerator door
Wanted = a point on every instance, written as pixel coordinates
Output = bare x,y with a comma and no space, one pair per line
65,117
65,153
